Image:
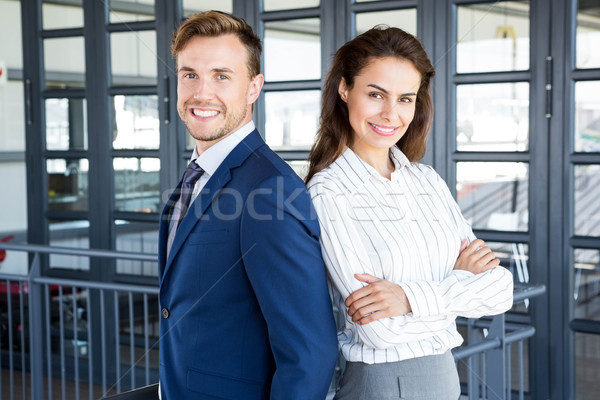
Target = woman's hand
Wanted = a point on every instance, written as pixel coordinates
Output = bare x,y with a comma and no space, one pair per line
475,257
379,299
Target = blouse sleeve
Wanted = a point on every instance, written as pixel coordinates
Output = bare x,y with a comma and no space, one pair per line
461,292
434,304
344,256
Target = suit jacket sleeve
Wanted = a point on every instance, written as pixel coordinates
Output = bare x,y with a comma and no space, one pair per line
282,257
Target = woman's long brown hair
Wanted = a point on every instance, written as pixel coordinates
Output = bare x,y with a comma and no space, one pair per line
335,132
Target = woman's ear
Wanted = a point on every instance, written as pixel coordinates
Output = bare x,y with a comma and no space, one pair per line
343,90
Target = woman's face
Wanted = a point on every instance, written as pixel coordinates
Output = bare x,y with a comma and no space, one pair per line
381,104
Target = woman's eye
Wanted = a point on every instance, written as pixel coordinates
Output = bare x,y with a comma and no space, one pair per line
405,100
376,95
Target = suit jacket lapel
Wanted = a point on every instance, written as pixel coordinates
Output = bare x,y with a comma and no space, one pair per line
206,196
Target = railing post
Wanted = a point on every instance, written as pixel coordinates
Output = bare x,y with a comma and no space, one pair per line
496,362
473,362
36,326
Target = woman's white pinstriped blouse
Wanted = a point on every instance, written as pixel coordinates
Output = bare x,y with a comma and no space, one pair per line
406,230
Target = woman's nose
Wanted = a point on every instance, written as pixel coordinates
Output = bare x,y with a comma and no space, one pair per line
389,110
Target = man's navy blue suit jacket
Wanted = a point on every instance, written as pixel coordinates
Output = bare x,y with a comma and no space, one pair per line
246,312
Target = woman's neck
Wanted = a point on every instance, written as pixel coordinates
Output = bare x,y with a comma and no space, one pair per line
378,159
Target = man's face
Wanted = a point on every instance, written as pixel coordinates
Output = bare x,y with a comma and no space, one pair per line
214,91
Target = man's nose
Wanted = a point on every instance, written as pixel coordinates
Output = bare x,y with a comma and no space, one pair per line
203,90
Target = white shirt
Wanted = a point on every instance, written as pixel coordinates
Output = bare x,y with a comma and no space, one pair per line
212,157
406,230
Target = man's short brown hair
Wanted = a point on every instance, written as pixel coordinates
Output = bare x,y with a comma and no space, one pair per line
217,23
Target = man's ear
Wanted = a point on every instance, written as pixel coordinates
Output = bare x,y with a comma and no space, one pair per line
255,87
343,90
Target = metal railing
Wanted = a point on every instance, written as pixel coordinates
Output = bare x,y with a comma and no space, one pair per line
72,339
488,352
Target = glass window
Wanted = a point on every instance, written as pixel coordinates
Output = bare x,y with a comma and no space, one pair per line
190,142
137,237
10,27
587,206
292,119
70,234
494,195
515,258
272,5
131,10
68,184
586,284
133,58
13,176
493,37
62,16
403,19
66,124
588,34
15,262
292,50
195,6
492,117
587,359
136,124
12,109
12,117
137,184
300,167
587,116
13,212
64,62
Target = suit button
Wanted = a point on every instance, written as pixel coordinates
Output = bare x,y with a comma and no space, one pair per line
165,313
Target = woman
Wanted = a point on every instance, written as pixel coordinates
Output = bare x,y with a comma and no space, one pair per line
402,260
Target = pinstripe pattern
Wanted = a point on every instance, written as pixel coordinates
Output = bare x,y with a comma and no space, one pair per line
406,230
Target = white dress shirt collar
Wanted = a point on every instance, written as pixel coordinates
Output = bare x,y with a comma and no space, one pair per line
212,157
399,159
364,171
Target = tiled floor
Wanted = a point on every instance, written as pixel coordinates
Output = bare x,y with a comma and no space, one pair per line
22,388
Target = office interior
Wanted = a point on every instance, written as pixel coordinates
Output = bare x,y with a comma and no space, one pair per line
91,143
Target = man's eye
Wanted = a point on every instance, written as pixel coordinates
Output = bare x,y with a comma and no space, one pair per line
190,76
222,77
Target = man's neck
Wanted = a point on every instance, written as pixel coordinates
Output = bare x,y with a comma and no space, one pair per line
203,145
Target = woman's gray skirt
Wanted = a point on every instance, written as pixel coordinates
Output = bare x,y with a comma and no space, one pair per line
424,378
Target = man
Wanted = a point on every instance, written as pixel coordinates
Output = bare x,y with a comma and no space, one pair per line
245,308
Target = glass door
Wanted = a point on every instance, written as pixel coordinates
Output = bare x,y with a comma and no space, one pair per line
489,100
583,157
